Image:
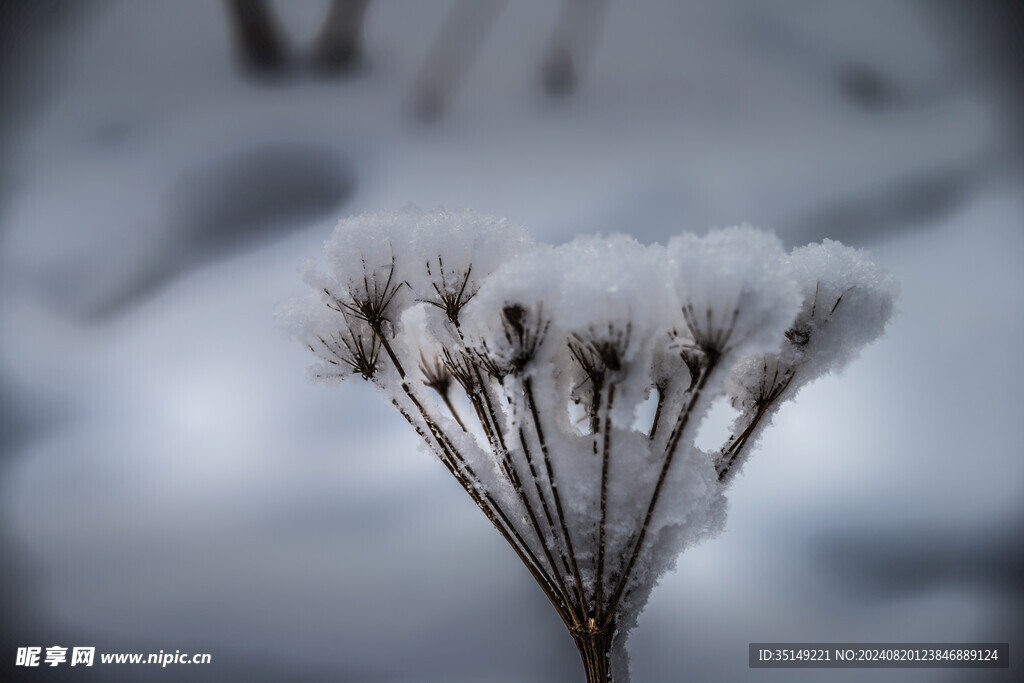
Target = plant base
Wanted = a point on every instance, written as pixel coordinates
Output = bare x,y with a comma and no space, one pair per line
595,650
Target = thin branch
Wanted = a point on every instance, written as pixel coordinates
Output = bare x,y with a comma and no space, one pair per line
499,520
584,353
660,388
767,395
472,380
509,465
535,416
490,410
437,377
446,446
599,590
577,617
669,455
451,408
391,353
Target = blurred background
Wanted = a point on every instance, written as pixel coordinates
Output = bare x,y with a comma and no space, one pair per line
170,480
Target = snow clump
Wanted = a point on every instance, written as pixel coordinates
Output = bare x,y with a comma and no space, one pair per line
528,369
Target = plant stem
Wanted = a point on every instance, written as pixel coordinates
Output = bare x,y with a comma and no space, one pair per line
657,411
379,331
456,465
599,580
482,400
451,409
729,453
555,569
535,415
595,646
670,451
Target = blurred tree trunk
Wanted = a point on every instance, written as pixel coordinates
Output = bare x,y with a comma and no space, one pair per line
257,35
571,45
339,46
452,54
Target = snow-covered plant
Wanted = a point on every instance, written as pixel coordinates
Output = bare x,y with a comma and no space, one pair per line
563,386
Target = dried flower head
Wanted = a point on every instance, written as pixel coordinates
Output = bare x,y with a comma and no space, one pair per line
509,340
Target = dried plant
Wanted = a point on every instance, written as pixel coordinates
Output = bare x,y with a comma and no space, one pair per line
556,354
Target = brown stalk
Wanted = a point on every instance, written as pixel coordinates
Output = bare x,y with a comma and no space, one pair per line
670,451
577,618
595,647
599,590
437,377
491,413
660,388
372,310
574,565
473,382
712,345
498,519
459,464
768,394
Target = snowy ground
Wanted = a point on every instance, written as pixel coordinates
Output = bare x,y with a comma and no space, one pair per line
171,480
